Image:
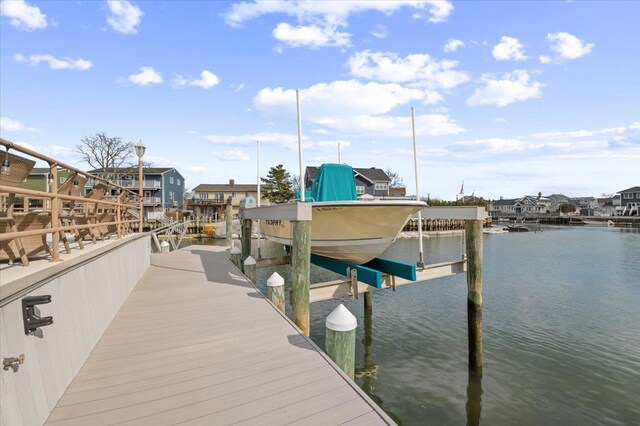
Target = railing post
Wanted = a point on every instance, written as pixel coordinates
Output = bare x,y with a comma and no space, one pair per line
473,241
245,235
250,269
119,216
55,213
340,339
229,222
300,265
275,290
236,257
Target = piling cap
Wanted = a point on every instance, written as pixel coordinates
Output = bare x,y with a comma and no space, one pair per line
235,250
275,280
164,244
249,261
341,320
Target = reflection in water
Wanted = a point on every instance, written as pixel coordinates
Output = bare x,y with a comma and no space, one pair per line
474,398
369,371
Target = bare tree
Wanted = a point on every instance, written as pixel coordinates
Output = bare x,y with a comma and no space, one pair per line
396,180
104,153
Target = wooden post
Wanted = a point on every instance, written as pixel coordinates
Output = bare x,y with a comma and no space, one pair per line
164,247
368,301
300,266
275,290
340,340
236,256
119,216
250,269
55,214
229,222
473,240
245,238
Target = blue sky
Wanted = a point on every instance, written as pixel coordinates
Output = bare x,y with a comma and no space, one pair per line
511,97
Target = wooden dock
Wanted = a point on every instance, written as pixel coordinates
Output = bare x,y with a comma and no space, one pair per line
196,343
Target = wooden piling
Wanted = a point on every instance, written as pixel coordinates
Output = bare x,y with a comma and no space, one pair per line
229,223
368,301
275,290
473,240
235,255
340,340
250,269
164,247
300,265
245,238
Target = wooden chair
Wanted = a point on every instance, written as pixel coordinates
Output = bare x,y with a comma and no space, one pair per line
21,247
69,211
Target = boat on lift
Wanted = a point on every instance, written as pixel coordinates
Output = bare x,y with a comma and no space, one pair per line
342,226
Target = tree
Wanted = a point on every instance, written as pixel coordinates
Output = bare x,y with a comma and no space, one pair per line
567,208
396,180
295,182
104,153
277,186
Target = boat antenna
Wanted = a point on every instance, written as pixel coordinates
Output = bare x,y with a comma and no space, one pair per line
339,160
415,166
258,202
302,185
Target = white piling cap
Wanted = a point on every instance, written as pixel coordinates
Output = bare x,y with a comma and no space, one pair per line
341,320
249,261
275,280
164,244
235,250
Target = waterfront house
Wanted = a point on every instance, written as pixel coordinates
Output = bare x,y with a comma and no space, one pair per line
210,199
371,181
162,187
39,180
630,201
527,205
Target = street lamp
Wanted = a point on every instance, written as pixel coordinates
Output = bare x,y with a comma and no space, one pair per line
140,149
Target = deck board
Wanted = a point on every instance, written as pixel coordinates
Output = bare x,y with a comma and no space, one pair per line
196,343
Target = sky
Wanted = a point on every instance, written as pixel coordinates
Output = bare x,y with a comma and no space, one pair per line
511,98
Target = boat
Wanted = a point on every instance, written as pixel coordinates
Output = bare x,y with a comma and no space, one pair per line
494,230
342,226
517,228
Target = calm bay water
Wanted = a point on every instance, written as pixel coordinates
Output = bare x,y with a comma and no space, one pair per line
561,313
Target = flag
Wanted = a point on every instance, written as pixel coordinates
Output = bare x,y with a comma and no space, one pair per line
462,189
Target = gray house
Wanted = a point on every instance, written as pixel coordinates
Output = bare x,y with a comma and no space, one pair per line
630,201
162,187
371,181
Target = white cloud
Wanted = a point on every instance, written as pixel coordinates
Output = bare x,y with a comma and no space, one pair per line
231,155
393,126
9,125
350,97
512,87
418,68
306,11
568,46
313,36
145,77
509,48
207,80
125,17
453,44
238,87
54,63
544,59
286,140
500,120
380,31
22,15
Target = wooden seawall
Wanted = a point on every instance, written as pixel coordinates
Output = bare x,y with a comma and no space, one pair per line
196,343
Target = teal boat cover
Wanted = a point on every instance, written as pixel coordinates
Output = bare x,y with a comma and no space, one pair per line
334,182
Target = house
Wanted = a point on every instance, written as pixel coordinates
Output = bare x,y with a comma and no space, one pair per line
162,187
527,205
211,199
630,201
371,181
39,180
503,207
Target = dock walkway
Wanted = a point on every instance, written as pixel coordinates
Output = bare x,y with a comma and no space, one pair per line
196,343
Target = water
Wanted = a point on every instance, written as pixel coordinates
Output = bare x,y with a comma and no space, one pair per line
561,313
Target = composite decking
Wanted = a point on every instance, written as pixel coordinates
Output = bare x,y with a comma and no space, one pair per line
196,343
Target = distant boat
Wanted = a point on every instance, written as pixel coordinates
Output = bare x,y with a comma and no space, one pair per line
343,227
494,230
517,228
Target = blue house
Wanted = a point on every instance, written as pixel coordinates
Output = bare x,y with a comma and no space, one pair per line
162,187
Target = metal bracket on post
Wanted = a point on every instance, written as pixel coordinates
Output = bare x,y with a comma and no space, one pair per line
353,277
32,321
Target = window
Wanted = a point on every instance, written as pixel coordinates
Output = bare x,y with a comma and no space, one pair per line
63,180
359,190
178,181
171,195
246,194
381,186
233,194
171,180
203,195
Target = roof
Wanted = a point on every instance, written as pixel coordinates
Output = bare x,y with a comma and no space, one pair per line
633,189
372,173
504,202
134,170
225,187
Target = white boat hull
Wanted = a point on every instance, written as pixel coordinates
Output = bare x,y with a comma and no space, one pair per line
350,231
